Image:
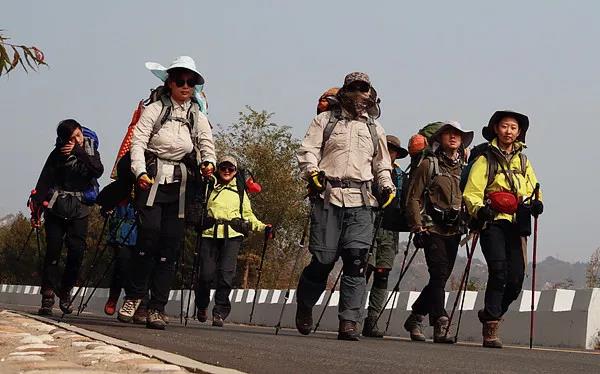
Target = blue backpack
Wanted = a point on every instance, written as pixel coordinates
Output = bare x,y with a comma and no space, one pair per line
90,144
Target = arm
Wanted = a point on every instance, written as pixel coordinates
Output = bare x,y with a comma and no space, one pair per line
256,224
141,137
531,180
474,193
46,179
415,194
203,141
92,164
382,164
309,153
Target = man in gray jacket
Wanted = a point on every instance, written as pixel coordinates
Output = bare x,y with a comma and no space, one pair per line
342,154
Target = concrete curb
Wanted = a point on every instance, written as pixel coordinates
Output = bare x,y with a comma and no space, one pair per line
171,358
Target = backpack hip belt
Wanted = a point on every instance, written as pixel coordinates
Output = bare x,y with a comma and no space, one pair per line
182,186
363,186
58,192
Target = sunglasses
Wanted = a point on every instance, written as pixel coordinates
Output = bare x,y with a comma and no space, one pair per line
191,82
359,86
229,169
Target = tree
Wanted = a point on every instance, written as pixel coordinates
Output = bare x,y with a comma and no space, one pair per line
592,274
21,54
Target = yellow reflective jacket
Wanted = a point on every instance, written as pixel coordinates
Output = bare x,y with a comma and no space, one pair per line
477,187
224,204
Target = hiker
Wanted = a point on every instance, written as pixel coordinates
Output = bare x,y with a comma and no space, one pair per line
385,251
68,175
433,205
343,153
229,219
500,182
160,162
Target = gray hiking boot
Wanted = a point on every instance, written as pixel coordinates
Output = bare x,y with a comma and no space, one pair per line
440,331
47,304
64,302
128,310
155,320
414,325
217,320
370,328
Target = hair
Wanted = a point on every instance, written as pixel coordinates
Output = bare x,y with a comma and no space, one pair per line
65,129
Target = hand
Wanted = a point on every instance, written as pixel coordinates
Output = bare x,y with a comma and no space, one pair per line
486,214
144,181
67,148
207,169
537,208
208,222
316,181
269,232
387,195
420,238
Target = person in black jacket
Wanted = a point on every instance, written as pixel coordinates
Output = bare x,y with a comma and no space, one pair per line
69,172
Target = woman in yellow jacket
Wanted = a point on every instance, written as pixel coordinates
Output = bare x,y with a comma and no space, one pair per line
227,223
498,194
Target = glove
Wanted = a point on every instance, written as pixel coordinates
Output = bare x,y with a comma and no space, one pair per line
269,232
420,238
316,181
144,181
486,214
207,169
537,208
387,195
208,222
241,226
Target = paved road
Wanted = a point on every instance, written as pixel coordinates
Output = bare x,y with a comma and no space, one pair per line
258,350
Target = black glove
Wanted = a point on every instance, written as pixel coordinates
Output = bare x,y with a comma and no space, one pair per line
420,238
537,208
269,232
208,222
385,197
241,226
316,181
486,214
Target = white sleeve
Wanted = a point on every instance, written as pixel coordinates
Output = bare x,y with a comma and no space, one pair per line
141,137
203,140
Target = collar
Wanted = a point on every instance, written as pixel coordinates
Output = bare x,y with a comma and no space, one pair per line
185,106
518,146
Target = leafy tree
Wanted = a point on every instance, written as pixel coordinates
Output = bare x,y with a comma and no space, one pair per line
592,274
31,57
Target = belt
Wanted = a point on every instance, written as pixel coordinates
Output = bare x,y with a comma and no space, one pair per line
363,186
57,193
159,176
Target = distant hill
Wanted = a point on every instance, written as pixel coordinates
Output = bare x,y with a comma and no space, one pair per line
7,220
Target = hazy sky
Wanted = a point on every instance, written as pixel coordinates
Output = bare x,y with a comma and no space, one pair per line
428,60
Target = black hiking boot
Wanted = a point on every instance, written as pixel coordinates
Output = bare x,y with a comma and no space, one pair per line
64,302
414,325
304,320
348,331
202,314
370,328
440,331
47,304
217,320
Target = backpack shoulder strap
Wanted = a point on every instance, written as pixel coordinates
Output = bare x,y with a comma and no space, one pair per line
334,118
373,131
193,115
165,112
523,158
492,166
239,181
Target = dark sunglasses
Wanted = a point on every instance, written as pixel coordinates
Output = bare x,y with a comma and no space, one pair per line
359,86
191,82
230,169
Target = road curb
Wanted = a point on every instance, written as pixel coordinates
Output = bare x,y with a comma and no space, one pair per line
171,358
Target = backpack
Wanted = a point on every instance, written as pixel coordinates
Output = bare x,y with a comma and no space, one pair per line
485,150
394,215
90,145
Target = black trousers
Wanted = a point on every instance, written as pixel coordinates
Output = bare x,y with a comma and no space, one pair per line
160,234
440,254
218,261
73,233
504,253
120,274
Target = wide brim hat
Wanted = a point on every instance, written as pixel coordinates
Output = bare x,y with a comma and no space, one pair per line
182,62
467,136
394,142
488,131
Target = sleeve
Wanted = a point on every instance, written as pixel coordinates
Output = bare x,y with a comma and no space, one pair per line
256,224
46,180
382,164
415,193
474,193
532,180
141,137
92,164
203,141
309,153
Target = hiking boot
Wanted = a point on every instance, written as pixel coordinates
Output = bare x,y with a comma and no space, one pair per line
370,328
64,302
304,320
440,331
110,307
490,334
47,304
128,310
414,325
140,316
348,331
202,315
155,320
217,320
164,317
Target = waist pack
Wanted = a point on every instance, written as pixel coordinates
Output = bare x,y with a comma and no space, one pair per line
503,202
444,217
68,205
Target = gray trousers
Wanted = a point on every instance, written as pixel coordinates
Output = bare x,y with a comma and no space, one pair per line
337,232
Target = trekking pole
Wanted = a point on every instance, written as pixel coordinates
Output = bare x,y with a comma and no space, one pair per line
397,286
286,297
328,300
262,260
536,192
24,246
462,303
394,291
181,266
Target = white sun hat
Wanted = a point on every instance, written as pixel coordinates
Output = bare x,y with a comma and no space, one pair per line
184,62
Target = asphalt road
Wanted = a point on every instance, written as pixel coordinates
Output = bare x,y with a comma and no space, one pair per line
259,350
